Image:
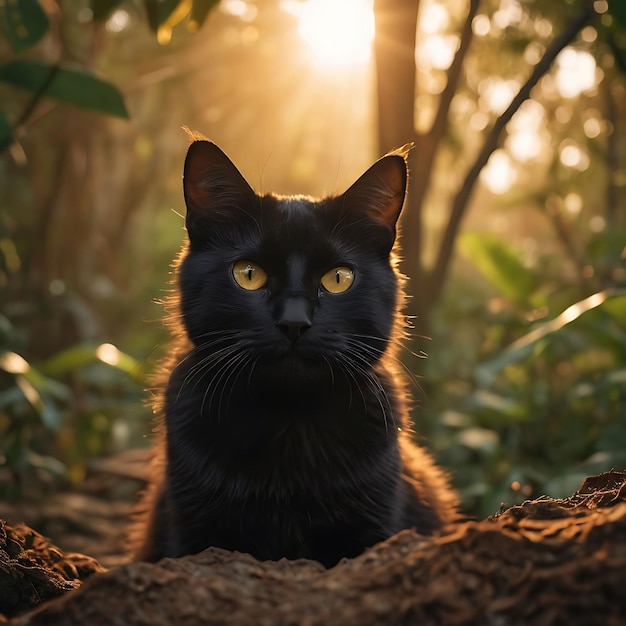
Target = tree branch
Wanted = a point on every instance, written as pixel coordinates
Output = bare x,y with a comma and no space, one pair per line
438,128
430,141
29,108
460,203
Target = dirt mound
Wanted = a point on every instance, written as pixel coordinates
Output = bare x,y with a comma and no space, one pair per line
544,562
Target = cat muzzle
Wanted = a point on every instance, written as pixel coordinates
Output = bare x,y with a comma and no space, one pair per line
295,317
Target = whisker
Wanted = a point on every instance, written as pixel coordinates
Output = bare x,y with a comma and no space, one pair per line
378,353
330,370
204,366
218,355
235,370
370,380
214,383
252,367
346,370
223,336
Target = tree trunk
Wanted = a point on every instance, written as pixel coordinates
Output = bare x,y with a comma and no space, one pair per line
396,27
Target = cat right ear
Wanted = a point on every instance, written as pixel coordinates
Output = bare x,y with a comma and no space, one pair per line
381,190
213,187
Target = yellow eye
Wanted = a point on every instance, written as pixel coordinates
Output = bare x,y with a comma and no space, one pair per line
338,280
249,275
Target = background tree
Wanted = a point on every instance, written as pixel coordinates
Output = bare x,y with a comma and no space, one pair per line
397,84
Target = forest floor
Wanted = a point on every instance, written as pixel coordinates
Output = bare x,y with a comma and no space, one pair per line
92,518
545,562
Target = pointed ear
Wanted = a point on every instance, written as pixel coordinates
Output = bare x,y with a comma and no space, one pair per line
212,185
379,193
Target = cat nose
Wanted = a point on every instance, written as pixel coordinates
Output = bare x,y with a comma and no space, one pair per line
295,316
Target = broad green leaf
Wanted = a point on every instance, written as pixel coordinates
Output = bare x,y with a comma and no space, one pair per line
11,396
501,405
480,439
47,386
109,354
199,11
73,85
102,9
47,463
70,360
487,372
159,11
500,263
6,132
50,416
81,355
30,393
616,308
24,23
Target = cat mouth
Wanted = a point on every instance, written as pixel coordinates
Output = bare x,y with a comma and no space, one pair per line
298,354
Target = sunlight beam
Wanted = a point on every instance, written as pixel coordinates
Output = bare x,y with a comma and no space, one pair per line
339,33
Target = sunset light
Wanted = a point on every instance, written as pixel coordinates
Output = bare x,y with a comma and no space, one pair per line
338,33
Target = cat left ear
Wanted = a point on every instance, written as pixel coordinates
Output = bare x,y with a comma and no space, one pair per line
381,190
213,186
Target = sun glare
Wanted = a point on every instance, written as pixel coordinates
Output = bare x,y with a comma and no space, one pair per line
339,33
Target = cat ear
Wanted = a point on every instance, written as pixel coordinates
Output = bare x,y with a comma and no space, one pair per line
212,185
380,191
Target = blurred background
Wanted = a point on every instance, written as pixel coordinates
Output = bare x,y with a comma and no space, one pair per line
513,234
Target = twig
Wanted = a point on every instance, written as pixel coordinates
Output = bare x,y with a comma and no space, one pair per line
30,107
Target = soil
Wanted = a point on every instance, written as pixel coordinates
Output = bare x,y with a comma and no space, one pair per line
546,561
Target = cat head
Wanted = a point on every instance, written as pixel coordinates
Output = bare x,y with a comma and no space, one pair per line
293,284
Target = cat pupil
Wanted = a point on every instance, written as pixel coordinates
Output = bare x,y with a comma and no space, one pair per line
337,276
249,270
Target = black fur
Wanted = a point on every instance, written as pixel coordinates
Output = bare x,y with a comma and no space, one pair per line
287,438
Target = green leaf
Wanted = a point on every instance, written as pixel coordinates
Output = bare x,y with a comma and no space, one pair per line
81,355
159,11
24,23
11,396
47,463
73,85
50,416
102,9
480,439
500,263
482,400
49,387
199,11
487,372
70,360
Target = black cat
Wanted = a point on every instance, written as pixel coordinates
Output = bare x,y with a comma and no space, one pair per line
284,406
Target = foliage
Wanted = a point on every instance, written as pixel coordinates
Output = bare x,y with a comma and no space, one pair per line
505,405
25,23
434,138
56,415
518,392
73,396
539,402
